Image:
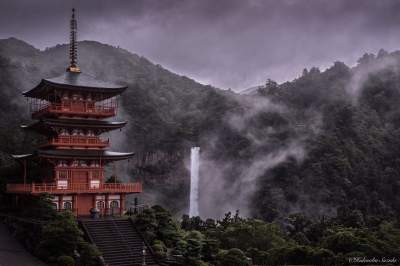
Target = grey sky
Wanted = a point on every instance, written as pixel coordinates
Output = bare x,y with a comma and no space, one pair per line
233,43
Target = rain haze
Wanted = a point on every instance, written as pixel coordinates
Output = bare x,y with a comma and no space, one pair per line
228,44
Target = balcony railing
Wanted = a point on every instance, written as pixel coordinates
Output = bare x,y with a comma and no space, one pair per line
52,188
78,141
82,109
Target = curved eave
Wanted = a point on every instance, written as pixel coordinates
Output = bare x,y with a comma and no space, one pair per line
120,155
37,92
33,92
21,156
45,125
85,154
87,88
72,81
42,129
85,123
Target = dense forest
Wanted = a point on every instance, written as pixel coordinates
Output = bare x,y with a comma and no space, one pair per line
317,156
346,239
322,141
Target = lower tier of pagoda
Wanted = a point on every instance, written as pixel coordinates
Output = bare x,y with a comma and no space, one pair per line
74,188
81,154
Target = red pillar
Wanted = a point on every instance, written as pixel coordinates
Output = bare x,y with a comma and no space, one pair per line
107,204
94,201
122,204
60,202
75,204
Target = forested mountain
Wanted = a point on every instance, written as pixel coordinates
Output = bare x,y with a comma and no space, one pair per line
352,161
322,142
166,113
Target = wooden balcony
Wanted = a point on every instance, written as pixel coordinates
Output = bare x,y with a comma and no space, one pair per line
78,142
82,110
52,188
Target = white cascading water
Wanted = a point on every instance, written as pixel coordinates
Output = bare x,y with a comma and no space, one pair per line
194,181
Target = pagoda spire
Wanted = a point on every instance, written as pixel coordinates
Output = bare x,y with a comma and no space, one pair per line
73,51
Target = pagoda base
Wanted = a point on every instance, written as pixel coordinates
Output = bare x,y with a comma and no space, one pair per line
80,199
83,204
75,188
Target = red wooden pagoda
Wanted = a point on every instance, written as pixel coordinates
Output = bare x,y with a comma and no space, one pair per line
70,110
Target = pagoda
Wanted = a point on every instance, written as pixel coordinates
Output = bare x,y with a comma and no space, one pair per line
72,111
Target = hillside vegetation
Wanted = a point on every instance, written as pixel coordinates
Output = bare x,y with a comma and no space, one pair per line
323,141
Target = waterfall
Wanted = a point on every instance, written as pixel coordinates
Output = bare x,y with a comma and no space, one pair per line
194,181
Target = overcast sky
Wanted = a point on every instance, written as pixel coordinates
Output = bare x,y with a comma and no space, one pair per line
229,44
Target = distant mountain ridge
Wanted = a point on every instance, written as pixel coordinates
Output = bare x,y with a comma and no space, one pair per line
250,91
322,142
118,62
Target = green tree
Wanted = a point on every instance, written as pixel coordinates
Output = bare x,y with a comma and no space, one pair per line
232,257
194,241
89,254
65,261
59,237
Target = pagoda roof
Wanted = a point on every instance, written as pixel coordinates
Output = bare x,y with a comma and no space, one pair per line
78,154
75,81
45,125
21,156
85,154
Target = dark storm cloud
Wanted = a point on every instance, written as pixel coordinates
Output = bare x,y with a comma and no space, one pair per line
232,43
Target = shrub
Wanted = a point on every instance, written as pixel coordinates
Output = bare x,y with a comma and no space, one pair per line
160,248
59,237
232,257
65,261
89,254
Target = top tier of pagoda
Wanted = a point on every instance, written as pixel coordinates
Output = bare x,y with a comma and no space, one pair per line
74,94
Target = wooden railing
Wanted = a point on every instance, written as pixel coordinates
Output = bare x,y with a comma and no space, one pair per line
52,188
81,141
76,109
137,209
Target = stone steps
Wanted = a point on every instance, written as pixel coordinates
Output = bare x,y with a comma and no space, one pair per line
119,242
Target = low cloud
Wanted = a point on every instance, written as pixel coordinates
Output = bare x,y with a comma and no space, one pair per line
229,44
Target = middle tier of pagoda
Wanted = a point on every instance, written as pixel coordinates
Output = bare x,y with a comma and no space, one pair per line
74,133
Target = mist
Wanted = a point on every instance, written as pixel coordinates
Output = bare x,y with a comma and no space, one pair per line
228,185
230,44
